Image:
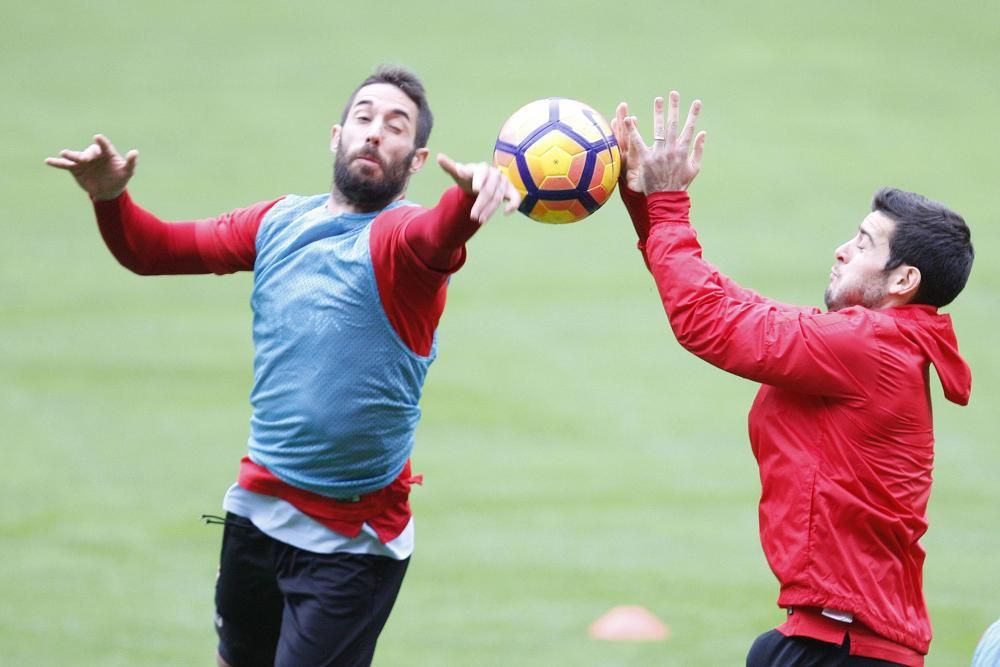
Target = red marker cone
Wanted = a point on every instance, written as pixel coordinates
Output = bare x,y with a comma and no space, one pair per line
629,623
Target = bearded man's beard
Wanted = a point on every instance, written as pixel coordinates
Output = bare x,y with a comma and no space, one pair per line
366,191
870,294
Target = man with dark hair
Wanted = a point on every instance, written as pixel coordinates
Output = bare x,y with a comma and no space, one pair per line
841,427
349,287
930,237
406,81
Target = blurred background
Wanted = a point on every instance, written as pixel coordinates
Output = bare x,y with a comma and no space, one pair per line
576,458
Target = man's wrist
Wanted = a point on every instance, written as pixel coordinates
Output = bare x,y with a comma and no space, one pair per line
665,186
104,196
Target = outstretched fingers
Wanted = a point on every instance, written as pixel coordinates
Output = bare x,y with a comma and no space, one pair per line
512,196
496,189
60,162
451,167
699,150
104,145
636,144
100,149
99,168
491,186
86,155
130,159
618,127
673,113
675,157
72,160
684,140
659,131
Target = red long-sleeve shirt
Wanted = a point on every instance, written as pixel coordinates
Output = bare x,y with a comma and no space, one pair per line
841,428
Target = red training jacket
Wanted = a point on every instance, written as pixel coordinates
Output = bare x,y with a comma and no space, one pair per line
841,427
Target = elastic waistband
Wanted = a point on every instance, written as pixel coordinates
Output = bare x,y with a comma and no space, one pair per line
812,622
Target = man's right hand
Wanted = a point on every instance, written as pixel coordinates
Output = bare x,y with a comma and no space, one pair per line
673,160
99,169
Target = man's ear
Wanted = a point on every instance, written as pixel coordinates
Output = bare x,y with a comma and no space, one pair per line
905,282
334,137
419,158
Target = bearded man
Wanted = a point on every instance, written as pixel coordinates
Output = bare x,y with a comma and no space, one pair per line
348,290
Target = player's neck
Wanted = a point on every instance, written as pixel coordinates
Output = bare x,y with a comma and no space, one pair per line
338,204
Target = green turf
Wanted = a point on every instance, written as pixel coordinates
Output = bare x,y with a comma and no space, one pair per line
576,458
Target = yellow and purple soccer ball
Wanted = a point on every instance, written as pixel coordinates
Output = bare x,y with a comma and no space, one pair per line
562,157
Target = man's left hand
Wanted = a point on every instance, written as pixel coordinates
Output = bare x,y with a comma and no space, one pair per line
487,183
673,160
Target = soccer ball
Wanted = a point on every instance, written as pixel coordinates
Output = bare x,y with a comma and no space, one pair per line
562,157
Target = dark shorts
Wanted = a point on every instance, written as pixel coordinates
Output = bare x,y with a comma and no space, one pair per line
773,649
282,606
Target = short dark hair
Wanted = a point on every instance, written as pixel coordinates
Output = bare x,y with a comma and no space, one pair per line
409,83
931,237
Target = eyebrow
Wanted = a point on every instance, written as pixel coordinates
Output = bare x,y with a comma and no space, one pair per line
864,232
398,111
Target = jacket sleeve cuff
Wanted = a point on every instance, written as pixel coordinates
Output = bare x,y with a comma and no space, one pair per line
111,206
667,207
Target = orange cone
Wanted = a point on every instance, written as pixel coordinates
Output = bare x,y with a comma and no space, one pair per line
629,623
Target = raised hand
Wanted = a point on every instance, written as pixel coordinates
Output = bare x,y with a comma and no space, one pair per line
670,163
488,183
631,172
99,169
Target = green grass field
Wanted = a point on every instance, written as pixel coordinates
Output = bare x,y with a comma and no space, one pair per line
576,458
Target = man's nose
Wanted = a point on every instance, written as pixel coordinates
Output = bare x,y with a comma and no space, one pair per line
374,133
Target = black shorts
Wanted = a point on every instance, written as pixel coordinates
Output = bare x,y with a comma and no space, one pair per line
773,649
279,605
